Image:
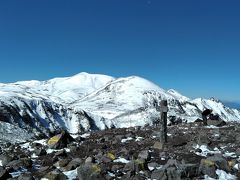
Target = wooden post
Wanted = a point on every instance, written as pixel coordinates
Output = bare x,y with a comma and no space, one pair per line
164,110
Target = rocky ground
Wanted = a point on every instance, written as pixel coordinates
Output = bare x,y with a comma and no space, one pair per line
193,151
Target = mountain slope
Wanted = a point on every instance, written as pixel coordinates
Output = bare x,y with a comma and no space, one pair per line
92,101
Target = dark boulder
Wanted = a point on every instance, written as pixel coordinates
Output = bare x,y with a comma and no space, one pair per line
89,172
174,120
5,158
173,173
40,152
60,154
4,174
55,175
159,174
198,120
218,123
73,164
61,163
144,155
207,167
25,177
24,162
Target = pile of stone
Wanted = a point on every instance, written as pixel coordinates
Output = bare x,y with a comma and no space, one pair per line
192,152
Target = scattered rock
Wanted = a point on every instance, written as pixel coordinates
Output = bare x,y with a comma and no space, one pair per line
179,141
60,141
217,123
89,172
174,120
237,138
5,159
152,165
220,162
130,166
106,159
198,120
159,174
16,164
203,139
117,167
62,153
111,156
55,175
198,150
4,174
207,167
134,167
158,145
40,152
36,145
73,164
144,155
95,156
89,160
62,163
238,152
43,169
173,173
190,170
25,177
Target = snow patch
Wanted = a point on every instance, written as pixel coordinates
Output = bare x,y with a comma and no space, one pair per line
67,150
205,150
230,154
34,156
121,160
27,146
127,139
71,174
237,166
42,141
151,168
139,138
85,135
111,174
222,175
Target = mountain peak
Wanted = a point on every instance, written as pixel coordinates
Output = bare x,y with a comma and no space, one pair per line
215,100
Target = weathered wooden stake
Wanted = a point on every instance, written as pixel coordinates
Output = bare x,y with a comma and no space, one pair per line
164,110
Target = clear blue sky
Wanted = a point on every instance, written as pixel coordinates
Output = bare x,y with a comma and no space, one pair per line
192,46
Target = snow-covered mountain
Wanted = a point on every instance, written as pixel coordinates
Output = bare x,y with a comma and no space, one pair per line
91,101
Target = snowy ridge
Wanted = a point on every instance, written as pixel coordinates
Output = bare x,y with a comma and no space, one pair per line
177,95
92,101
